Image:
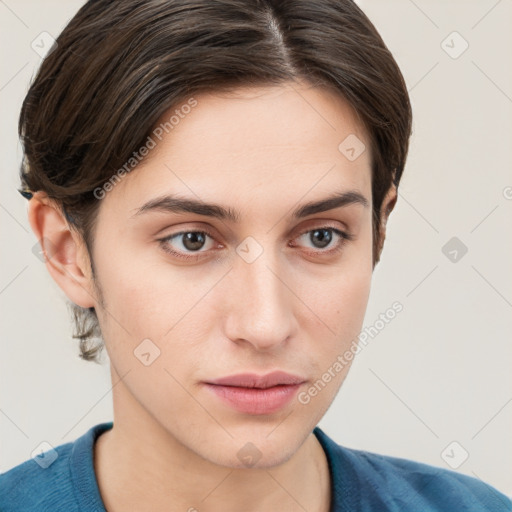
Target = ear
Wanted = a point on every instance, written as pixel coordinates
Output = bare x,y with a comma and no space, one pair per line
64,252
387,207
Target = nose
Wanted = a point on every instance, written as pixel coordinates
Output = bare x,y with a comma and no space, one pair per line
260,306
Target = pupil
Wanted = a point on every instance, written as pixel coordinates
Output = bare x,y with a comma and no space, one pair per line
323,235
193,241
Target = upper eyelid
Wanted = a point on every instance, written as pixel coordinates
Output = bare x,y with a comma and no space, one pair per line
321,225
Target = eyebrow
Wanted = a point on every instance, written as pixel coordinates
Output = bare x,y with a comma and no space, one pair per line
175,204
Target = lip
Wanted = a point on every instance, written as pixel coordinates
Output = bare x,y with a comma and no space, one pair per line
253,380
256,394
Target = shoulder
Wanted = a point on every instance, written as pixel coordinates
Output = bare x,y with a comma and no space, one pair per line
408,483
386,483
39,483
52,480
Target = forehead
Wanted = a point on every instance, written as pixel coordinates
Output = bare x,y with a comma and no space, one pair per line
273,142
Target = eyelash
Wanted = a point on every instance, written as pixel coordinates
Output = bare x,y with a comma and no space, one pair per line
344,238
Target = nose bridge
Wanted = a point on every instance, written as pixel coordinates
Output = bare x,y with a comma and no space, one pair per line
261,310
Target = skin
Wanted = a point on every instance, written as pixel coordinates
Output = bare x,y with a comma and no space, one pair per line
263,152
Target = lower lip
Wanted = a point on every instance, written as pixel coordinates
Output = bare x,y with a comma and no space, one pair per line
255,400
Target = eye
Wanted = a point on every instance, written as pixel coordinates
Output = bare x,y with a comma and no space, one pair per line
186,241
189,245
326,236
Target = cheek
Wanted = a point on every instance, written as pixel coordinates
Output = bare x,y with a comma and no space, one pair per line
140,292
338,302
169,305
338,295
337,310
340,305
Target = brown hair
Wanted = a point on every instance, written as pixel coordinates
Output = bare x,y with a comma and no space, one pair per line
120,64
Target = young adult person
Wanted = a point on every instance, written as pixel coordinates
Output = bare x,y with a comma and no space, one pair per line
210,181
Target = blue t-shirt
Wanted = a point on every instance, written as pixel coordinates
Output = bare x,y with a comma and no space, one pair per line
63,480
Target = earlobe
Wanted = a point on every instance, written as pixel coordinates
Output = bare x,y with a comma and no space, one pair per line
62,250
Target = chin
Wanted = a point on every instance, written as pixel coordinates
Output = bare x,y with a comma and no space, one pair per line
251,457
257,447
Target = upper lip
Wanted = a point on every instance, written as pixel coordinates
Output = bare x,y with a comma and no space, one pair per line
253,380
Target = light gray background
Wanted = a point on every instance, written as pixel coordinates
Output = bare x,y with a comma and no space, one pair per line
440,371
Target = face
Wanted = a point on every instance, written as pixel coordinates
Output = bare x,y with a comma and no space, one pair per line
193,296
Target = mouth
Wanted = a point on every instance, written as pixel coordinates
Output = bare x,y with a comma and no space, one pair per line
256,394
